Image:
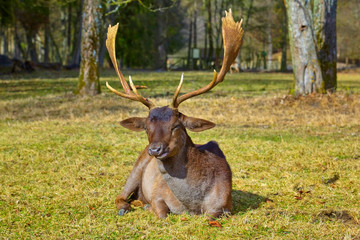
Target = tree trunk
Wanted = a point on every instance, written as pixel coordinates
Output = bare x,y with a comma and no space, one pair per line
89,83
30,38
18,48
75,60
269,36
189,44
195,29
46,43
56,47
46,39
5,41
306,68
204,57
209,32
283,67
218,12
195,39
325,29
269,48
68,37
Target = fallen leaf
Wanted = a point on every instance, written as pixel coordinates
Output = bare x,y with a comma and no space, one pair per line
91,208
319,202
298,197
215,224
183,219
137,203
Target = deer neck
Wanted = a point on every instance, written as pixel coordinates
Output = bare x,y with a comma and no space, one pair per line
176,166
178,172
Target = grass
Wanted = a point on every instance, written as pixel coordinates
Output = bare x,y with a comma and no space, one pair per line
63,159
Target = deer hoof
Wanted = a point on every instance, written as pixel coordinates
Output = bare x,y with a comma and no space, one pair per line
147,207
122,212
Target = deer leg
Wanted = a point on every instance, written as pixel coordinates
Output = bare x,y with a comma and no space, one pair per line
160,208
132,188
219,201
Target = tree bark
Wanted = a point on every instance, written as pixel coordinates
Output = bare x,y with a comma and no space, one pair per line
283,67
30,39
306,67
204,57
46,39
195,39
5,42
325,29
189,43
68,33
46,43
269,36
209,32
269,48
195,29
75,60
218,13
56,47
18,48
89,83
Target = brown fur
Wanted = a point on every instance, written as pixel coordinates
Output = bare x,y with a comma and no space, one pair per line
179,176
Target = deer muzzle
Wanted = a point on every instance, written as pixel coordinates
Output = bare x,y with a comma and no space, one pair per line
157,150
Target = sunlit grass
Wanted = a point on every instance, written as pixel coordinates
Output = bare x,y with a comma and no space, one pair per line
63,159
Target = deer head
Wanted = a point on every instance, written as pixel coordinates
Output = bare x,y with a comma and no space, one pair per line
165,126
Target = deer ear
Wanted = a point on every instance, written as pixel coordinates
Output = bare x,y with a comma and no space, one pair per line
196,124
135,124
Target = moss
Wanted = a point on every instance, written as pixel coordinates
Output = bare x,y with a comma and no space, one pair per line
89,83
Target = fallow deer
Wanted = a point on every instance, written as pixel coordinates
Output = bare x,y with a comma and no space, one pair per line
172,174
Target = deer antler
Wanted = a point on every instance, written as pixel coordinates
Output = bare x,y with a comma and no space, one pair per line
232,35
132,95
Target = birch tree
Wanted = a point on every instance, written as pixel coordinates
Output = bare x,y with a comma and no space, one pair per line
306,67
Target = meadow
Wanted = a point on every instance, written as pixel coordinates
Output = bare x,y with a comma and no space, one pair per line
64,158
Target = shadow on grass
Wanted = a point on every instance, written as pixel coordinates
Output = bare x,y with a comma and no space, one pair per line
24,89
244,201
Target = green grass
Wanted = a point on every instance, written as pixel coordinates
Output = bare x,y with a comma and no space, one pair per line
64,159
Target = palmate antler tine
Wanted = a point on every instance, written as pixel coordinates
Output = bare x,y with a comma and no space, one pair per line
110,45
135,96
232,37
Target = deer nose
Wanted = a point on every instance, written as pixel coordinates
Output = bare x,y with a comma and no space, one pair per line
155,149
